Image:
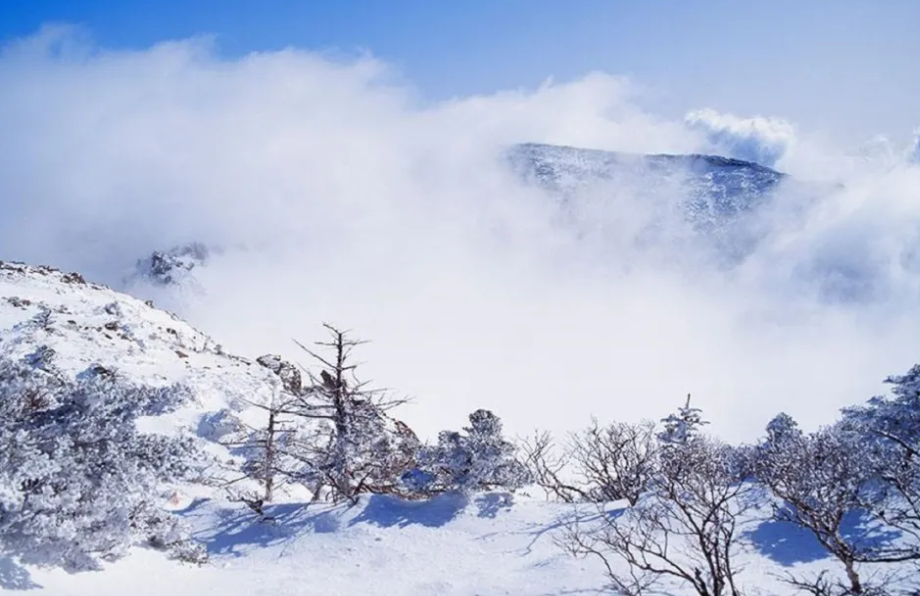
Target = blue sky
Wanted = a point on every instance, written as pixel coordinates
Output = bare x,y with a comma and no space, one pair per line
848,67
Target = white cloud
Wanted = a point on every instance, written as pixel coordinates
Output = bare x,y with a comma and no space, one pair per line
758,139
360,207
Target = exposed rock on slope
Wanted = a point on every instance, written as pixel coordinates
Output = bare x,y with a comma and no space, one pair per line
173,266
58,319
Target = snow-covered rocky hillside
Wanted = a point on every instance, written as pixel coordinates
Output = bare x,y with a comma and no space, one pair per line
171,267
57,319
722,185
708,197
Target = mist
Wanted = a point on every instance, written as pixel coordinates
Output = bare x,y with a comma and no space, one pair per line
338,195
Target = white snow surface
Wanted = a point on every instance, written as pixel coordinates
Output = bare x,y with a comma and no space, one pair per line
484,545
488,544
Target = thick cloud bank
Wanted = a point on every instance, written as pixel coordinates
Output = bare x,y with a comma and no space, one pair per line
758,139
337,195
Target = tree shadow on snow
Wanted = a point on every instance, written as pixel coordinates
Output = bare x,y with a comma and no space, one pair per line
490,504
14,576
586,515
787,544
238,530
387,511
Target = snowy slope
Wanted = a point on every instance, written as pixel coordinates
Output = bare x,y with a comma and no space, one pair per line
380,546
58,321
491,544
86,324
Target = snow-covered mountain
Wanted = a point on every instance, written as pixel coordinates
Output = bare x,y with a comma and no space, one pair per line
715,185
714,197
705,198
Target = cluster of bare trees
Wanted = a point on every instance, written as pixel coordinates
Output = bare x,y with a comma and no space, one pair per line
684,502
328,431
687,497
334,434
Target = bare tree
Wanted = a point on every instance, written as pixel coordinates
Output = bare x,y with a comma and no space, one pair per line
361,449
617,461
824,482
548,467
271,452
329,432
685,529
598,464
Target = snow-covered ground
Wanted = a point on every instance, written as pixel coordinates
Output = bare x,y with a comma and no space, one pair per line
490,544
381,546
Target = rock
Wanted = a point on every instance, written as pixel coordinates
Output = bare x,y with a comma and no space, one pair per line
290,376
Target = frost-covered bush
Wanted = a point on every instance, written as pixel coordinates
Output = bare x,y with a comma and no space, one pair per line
478,458
828,483
78,482
888,431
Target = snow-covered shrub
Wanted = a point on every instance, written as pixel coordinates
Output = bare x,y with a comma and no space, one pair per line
478,458
826,483
77,480
888,430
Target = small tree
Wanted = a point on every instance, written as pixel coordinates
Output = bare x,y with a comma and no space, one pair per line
685,529
682,428
479,458
270,452
358,448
